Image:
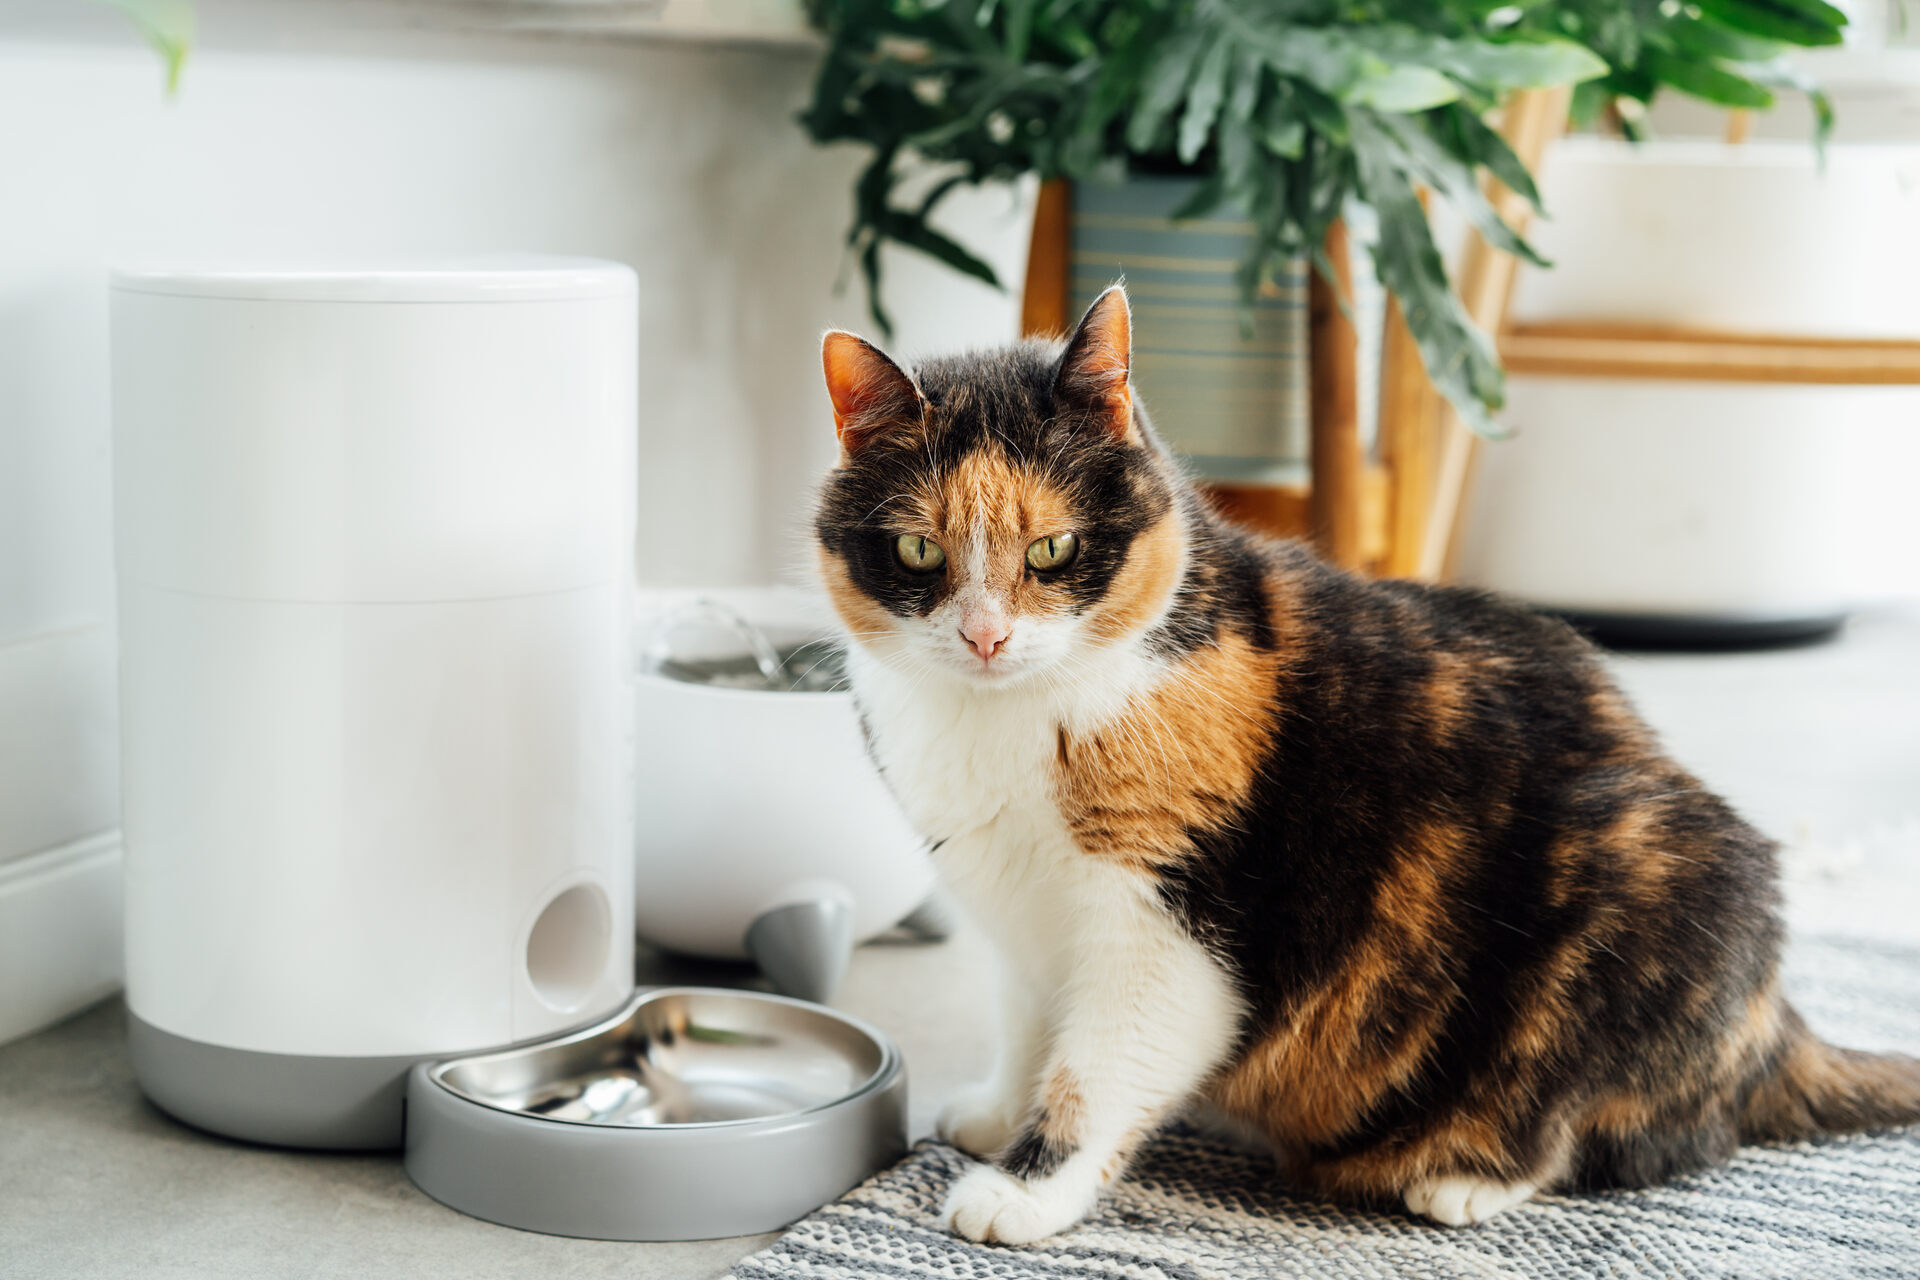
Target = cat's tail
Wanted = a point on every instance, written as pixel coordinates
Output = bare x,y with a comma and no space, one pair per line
1820,1089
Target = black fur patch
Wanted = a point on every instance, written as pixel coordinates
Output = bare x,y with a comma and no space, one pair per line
1034,1155
1286,892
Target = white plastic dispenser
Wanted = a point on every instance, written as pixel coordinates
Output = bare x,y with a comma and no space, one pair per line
375,539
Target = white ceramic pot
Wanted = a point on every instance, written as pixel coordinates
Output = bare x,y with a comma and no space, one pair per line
1718,505
764,830
1737,506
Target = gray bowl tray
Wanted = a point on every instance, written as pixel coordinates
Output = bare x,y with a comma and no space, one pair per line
691,1113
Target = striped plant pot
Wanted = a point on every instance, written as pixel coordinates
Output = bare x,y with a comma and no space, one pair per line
1232,401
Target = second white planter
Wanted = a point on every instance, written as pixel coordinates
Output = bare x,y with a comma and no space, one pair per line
1720,508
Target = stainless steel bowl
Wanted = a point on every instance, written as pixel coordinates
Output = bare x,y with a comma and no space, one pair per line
680,1057
691,1113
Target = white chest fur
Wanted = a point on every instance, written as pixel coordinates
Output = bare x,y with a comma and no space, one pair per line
975,771
1101,985
975,768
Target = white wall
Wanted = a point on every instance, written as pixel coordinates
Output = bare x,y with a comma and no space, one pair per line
682,160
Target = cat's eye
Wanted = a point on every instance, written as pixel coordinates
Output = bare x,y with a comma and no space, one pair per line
918,554
1052,551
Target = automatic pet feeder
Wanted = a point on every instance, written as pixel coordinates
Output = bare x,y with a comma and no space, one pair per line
374,530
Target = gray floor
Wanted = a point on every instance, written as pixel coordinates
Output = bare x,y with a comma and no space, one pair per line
1821,745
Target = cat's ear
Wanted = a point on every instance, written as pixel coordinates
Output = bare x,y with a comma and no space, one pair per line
1093,374
870,392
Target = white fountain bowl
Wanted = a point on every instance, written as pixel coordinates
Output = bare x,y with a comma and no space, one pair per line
752,801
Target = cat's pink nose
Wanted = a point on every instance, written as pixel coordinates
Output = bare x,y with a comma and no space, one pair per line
986,634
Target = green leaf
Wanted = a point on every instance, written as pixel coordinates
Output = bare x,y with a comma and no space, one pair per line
1781,74
1405,89
1706,81
1458,357
1784,20
1323,267
1418,153
1706,38
910,230
1239,149
940,191
1162,87
1287,138
1019,29
1206,197
1814,11
1483,146
1205,99
1279,121
167,25
1329,60
1535,62
1589,102
1086,144
870,265
1321,116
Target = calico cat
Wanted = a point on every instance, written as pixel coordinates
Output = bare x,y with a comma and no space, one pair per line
1389,874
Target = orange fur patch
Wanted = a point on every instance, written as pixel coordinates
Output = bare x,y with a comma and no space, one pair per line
1313,1079
1179,759
1621,1114
1449,693
860,612
1139,593
1540,1024
1751,1040
1615,717
1063,1110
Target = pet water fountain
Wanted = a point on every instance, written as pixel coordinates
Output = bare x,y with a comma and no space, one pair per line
742,695
375,540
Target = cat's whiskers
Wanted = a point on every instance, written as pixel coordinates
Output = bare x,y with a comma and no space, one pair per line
921,670
1187,679
1130,721
1152,719
815,666
886,502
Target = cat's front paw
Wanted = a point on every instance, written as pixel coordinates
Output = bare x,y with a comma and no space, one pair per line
1463,1201
997,1208
979,1121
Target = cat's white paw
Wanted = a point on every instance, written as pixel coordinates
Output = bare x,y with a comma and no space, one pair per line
979,1120
997,1208
1462,1201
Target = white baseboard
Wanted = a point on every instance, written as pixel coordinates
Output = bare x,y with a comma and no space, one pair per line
59,933
59,740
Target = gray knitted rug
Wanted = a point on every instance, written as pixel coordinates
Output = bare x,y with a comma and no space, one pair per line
1195,1209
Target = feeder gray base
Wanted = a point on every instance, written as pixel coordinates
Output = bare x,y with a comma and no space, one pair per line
283,1099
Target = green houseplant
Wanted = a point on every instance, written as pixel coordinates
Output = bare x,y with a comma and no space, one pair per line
1284,110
